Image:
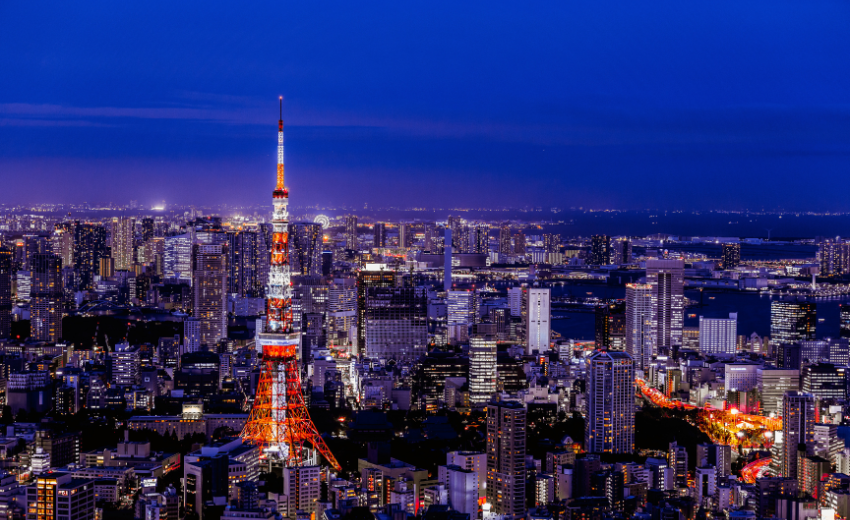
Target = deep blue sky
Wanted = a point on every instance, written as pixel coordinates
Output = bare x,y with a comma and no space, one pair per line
721,104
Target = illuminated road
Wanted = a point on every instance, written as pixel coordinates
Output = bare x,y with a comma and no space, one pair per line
722,426
754,470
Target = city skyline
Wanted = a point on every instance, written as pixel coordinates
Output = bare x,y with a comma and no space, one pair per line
623,107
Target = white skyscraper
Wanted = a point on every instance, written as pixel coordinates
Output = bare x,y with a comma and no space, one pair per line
667,278
610,426
718,335
515,300
639,337
537,313
461,307
123,234
482,370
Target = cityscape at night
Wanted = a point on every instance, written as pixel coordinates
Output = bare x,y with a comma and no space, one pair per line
395,261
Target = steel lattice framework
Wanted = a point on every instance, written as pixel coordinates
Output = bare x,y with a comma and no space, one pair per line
279,421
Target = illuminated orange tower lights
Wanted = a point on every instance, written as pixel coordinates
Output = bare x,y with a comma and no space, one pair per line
279,421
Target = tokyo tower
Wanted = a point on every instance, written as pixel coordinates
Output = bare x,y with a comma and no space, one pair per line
279,421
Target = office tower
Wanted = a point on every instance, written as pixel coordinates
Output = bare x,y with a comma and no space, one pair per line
191,335
396,323
833,257
209,264
247,263
730,256
482,369
600,250
639,331
461,307
47,293
6,273
506,439
621,251
365,281
789,356
350,224
301,489
147,229
479,239
106,268
718,335
825,381
305,248
472,461
552,248
448,250
279,422
63,243
791,322
610,326
126,365
123,235
505,239
89,246
798,427
59,496
827,442
677,458
844,319
610,426
205,476
537,314
177,258
327,263
772,385
380,232
515,295
667,278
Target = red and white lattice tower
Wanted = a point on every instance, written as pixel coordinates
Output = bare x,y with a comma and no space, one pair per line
279,421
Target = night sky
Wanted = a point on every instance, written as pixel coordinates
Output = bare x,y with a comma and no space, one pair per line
672,104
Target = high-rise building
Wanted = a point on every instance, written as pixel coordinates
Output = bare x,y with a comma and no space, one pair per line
89,246
825,381
610,326
123,233
177,258
59,496
247,263
718,335
667,278
717,455
519,243
552,248
460,237
366,280
63,243
47,293
731,256
380,234
396,323
6,274
461,307
126,365
621,251
640,343
798,427
405,235
505,239
833,257
844,320
677,458
305,248
209,290
537,315
433,238
482,369
479,239
301,490
610,426
351,232
506,440
792,322
600,250
772,385
147,229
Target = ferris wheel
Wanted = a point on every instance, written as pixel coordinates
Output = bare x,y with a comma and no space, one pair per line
323,220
